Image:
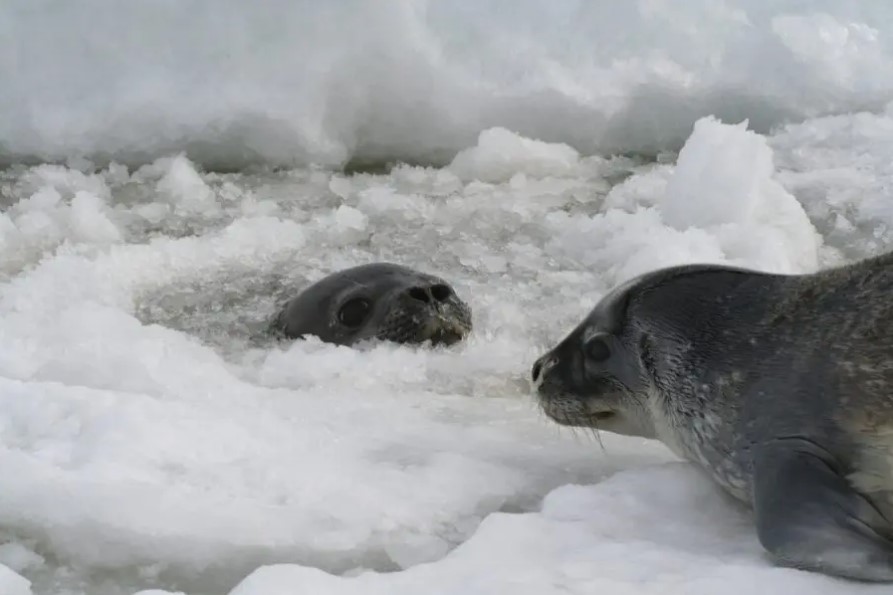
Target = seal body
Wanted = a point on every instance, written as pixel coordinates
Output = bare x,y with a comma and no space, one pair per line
780,387
381,301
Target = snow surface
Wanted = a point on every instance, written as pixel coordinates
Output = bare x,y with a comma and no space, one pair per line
154,442
151,439
293,82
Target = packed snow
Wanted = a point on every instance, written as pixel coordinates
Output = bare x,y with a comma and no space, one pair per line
174,175
297,82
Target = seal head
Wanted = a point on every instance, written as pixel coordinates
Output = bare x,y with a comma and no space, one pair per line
609,371
594,377
382,301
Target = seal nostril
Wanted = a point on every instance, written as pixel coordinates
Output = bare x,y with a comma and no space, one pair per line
417,293
441,292
542,366
537,368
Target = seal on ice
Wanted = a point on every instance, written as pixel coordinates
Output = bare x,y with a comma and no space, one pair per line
780,387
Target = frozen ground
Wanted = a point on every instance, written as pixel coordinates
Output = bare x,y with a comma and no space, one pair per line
151,438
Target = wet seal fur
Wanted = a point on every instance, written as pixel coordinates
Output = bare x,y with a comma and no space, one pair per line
383,301
780,387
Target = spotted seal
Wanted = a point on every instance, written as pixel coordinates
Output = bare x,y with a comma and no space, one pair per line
780,387
382,301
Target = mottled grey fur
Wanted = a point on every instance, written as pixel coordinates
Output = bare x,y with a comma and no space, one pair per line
779,386
405,306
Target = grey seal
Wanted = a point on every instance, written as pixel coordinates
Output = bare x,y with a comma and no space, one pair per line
779,387
382,301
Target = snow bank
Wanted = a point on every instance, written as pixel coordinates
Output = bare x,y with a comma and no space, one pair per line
500,154
719,203
723,183
233,83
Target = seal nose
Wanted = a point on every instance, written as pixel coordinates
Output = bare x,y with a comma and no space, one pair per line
541,367
438,292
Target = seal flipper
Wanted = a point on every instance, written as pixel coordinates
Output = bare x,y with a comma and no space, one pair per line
809,517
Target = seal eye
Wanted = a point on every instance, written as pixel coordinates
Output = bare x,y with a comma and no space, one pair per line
597,349
354,312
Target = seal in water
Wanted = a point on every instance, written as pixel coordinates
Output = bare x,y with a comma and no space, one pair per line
780,387
377,301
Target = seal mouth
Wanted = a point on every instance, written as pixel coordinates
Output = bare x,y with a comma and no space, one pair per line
445,337
444,329
602,415
570,411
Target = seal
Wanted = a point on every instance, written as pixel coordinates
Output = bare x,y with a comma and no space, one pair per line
383,301
779,387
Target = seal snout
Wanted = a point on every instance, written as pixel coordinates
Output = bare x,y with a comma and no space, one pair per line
426,310
555,398
557,379
446,323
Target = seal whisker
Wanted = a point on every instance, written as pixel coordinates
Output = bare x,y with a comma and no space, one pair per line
598,436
